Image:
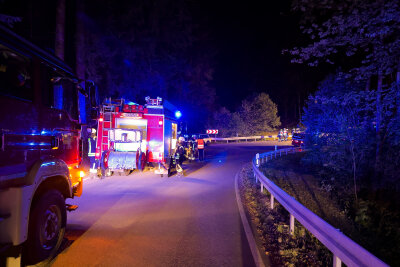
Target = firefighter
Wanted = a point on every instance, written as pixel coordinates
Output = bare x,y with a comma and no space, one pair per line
200,147
180,155
285,134
92,148
280,135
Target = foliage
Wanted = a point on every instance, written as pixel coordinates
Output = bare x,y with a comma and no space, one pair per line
354,129
260,114
372,222
340,120
228,124
9,20
282,249
256,115
365,33
140,48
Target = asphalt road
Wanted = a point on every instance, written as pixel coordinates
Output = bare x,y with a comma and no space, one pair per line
145,220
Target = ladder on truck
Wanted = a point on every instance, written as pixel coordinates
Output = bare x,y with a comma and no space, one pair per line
107,110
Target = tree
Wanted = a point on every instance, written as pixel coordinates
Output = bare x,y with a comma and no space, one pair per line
259,114
364,38
151,48
228,124
339,119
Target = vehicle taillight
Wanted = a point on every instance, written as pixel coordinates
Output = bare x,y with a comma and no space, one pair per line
157,155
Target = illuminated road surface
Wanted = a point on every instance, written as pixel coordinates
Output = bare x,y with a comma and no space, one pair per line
146,220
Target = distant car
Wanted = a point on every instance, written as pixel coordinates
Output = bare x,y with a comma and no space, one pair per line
298,139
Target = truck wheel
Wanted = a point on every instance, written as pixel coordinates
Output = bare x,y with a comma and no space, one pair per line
46,227
142,161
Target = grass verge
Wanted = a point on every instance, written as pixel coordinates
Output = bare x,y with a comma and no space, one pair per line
283,249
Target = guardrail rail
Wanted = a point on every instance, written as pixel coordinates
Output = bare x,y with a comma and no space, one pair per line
244,138
343,248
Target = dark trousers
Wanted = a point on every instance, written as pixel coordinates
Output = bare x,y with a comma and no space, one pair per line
201,154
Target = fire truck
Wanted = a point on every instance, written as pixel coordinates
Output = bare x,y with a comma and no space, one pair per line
131,136
40,149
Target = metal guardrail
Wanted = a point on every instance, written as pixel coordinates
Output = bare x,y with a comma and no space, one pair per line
343,248
245,138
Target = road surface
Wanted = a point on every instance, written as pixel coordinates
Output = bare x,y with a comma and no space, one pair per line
145,220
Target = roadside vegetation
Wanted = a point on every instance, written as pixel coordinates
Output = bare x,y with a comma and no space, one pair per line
282,249
352,122
371,220
258,115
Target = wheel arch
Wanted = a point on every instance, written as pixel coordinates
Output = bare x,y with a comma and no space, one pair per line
58,182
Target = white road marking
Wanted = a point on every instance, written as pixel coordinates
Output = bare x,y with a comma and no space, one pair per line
247,229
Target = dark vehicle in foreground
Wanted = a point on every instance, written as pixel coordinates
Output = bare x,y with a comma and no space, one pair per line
40,149
298,139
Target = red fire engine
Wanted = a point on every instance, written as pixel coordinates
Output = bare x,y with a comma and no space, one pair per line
130,136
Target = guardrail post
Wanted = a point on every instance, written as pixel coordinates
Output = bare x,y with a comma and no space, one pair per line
336,261
262,188
272,202
291,224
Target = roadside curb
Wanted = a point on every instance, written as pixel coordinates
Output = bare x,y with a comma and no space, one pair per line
247,229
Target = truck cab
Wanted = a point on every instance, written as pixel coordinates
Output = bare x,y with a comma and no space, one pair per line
40,149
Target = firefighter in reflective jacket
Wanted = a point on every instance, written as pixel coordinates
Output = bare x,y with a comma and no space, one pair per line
200,147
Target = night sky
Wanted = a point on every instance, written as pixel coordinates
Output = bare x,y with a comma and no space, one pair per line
250,37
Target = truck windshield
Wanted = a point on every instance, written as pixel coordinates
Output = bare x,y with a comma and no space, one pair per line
15,74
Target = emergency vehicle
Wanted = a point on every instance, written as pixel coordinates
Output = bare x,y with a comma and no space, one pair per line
40,149
130,136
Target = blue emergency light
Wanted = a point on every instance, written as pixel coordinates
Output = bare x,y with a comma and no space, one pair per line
178,114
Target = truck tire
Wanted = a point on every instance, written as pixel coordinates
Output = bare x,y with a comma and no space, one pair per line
140,160
46,227
105,171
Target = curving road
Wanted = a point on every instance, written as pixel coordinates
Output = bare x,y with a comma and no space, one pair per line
145,220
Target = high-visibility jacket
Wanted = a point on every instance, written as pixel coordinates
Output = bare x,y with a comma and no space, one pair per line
200,143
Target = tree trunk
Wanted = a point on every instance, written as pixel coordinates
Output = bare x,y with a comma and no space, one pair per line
398,91
80,57
60,29
84,106
299,106
59,48
368,84
353,157
378,129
